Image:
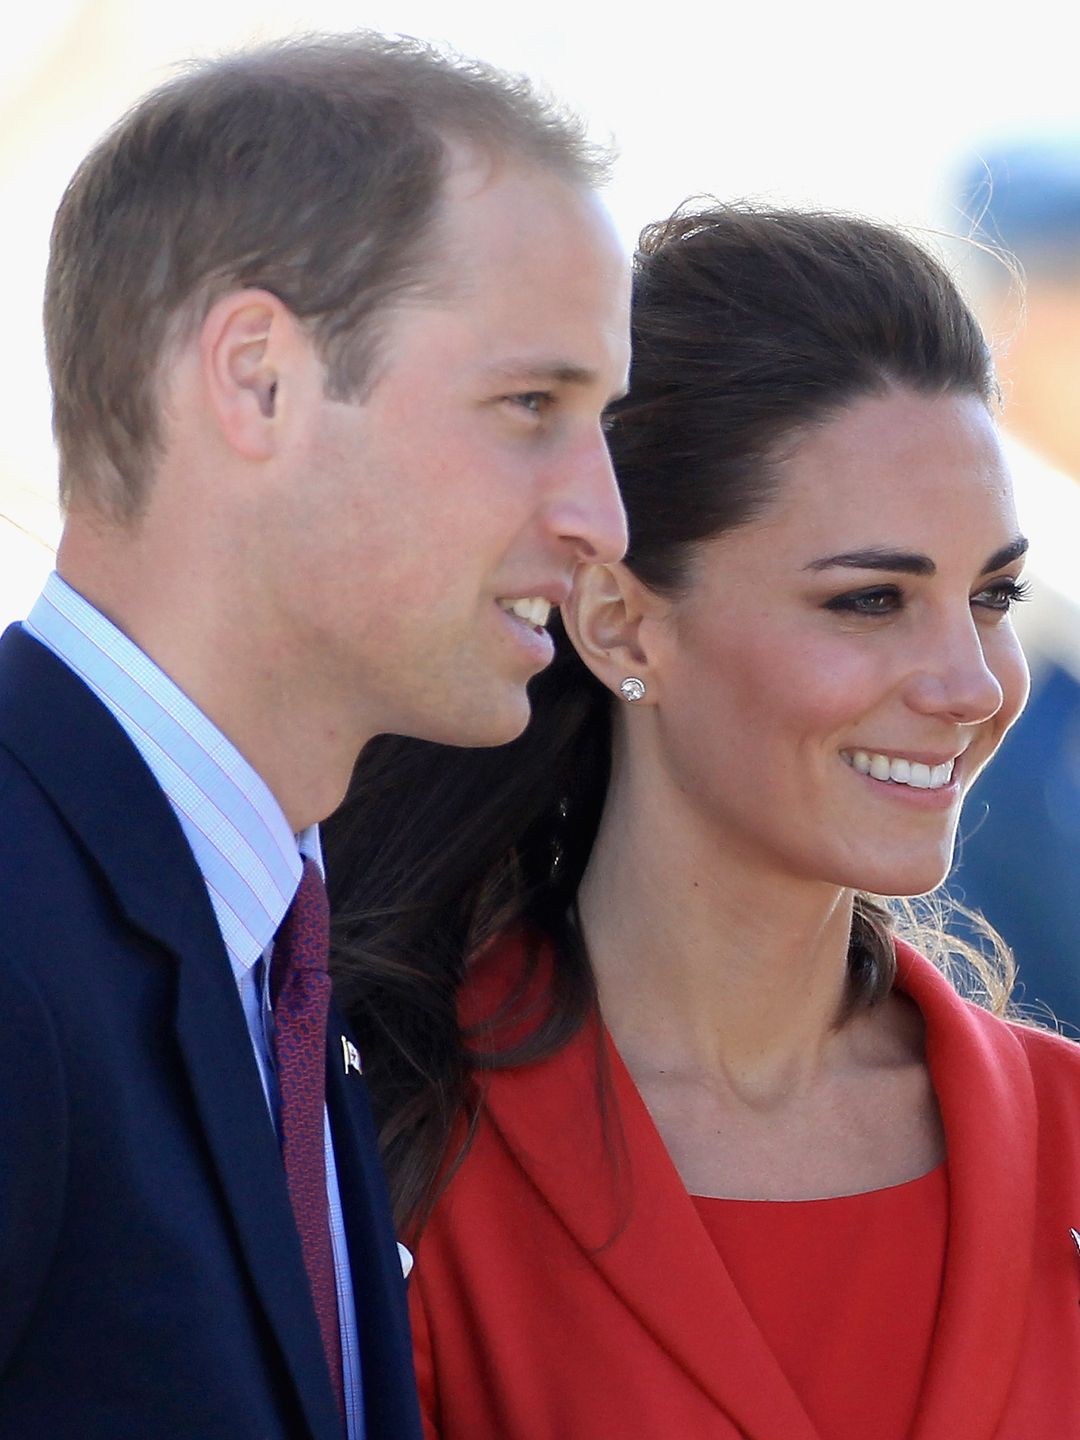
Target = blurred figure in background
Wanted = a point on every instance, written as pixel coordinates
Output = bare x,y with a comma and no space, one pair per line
1018,858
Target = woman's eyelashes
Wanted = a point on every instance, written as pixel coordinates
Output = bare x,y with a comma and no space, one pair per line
875,600
1002,594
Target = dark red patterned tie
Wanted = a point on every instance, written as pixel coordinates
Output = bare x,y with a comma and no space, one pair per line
300,991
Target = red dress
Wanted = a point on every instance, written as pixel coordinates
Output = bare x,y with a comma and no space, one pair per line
567,1289
819,1277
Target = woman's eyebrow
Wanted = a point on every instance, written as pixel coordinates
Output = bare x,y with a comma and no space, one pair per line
909,562
875,557
1015,550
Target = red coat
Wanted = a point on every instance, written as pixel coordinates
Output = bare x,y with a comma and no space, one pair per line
559,1296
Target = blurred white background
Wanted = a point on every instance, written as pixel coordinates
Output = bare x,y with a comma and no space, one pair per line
857,106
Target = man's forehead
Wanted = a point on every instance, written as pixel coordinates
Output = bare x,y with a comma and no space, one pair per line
529,266
517,207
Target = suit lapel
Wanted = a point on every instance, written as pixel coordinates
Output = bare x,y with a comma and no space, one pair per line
119,813
611,1182
986,1096
390,1405
231,1105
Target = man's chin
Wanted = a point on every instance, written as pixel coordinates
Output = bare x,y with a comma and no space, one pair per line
497,724
499,730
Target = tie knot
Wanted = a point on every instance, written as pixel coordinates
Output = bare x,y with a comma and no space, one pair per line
302,942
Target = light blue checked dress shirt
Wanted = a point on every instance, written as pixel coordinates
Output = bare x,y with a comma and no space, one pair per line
242,843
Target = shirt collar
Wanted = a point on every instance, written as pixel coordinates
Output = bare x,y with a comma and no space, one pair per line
238,833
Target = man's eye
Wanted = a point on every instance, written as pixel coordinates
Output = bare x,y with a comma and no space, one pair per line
535,401
878,600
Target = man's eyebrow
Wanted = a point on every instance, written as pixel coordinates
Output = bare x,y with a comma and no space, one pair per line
909,562
545,372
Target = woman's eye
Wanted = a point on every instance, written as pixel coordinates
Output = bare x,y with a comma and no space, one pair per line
878,600
1002,595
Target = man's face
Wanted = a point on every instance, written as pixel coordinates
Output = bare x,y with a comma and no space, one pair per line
430,525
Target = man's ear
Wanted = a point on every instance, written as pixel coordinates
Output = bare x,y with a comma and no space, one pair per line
609,617
247,342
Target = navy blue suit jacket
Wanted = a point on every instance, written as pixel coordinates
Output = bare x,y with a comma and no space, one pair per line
151,1279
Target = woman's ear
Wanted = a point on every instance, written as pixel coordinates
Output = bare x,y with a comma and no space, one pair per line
609,618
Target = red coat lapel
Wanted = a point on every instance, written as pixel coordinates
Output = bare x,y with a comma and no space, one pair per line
986,1095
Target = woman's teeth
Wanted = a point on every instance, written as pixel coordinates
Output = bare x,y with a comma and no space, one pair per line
533,610
900,772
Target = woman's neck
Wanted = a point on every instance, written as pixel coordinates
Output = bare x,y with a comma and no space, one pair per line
705,956
722,984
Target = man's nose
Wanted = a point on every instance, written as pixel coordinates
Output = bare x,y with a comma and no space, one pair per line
586,509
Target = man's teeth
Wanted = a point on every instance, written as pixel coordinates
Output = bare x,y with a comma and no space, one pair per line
901,772
533,610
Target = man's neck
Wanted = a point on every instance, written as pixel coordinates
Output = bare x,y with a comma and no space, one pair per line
206,636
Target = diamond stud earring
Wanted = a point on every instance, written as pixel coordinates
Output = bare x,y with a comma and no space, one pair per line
632,688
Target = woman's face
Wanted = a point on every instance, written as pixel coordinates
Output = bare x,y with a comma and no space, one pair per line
841,668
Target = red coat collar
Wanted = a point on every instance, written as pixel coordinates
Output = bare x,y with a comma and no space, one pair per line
986,1094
